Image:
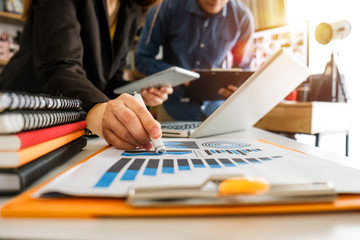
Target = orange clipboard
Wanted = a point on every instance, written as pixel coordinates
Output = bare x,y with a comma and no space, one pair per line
79,207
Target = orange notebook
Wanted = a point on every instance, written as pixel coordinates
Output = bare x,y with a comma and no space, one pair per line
13,159
25,206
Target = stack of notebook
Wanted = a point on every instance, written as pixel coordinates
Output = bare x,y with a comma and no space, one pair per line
37,133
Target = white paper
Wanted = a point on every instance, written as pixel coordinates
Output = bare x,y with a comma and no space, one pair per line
111,172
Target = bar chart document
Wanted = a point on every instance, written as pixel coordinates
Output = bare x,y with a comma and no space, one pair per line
190,162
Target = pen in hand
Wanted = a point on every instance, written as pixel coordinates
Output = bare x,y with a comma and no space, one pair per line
157,143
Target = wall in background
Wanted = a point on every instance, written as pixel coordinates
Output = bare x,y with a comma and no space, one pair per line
279,12
349,55
267,13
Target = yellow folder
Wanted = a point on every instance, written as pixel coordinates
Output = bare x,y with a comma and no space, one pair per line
79,207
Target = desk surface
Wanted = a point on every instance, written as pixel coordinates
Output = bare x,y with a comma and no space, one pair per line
307,117
289,226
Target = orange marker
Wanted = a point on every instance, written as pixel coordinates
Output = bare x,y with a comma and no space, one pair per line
243,186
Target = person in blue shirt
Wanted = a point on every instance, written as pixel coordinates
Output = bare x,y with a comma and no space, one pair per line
194,34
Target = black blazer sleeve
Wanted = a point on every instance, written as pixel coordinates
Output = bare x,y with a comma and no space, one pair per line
66,49
58,52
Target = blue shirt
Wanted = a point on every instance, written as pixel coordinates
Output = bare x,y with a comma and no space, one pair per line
192,39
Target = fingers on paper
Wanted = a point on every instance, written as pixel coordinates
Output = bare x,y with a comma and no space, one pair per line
122,126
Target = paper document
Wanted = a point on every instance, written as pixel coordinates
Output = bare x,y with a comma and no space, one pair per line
188,162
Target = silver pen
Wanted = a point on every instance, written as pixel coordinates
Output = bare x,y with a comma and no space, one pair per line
157,143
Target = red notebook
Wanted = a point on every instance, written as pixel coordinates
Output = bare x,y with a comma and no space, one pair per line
14,142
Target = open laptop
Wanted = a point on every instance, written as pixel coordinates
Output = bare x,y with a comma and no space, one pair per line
270,84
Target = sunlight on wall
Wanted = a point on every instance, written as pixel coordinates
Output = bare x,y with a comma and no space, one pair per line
317,11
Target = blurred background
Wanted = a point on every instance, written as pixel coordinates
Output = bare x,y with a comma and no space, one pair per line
299,19
279,23
318,11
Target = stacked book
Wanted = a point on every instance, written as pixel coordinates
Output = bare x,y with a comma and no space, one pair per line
37,133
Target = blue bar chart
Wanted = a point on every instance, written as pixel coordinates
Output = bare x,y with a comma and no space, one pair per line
183,165
197,163
183,157
227,162
212,163
151,167
153,153
168,166
131,168
243,152
115,172
181,144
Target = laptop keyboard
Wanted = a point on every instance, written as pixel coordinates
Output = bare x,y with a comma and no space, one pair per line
180,125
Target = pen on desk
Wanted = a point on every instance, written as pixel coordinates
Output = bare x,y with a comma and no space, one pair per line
158,143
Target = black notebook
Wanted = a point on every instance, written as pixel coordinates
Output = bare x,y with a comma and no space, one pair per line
10,100
16,180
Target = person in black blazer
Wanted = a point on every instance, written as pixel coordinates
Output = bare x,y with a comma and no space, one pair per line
77,49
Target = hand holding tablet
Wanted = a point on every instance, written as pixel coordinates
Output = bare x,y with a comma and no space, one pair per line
170,77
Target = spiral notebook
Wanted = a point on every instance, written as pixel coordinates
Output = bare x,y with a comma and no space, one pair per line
10,100
23,120
21,111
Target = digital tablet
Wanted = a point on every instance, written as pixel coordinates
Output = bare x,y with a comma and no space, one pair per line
211,80
170,77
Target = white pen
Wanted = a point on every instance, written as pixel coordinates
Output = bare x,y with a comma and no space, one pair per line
158,143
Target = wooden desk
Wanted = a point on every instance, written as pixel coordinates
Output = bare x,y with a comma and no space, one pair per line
314,118
330,226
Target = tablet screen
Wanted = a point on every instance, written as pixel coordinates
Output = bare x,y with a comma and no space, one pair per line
210,81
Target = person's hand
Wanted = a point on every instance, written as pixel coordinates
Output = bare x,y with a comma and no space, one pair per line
154,96
124,123
226,92
186,84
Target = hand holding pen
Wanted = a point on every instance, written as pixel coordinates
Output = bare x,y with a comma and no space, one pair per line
125,123
157,143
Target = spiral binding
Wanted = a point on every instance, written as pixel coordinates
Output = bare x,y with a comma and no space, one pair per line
18,121
19,100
